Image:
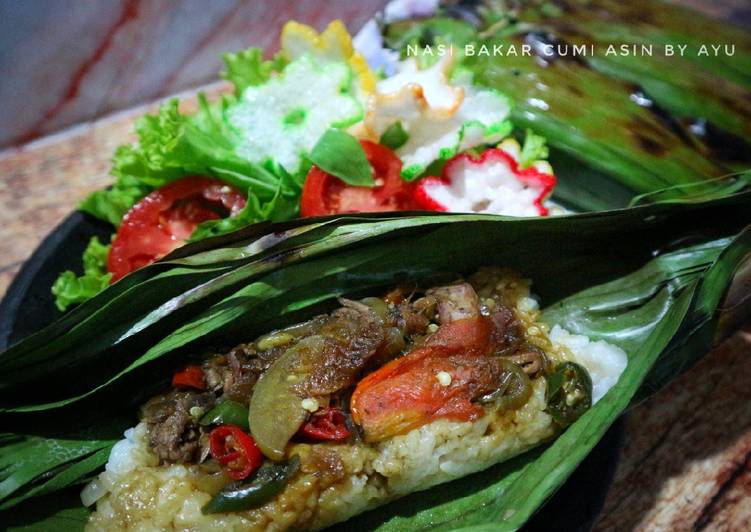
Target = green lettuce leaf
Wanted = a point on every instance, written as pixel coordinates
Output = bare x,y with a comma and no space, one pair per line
284,205
112,203
172,145
534,148
247,68
71,289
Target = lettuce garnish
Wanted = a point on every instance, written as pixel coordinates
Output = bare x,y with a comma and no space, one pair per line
70,289
263,138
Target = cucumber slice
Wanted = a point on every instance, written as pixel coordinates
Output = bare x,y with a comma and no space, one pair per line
439,118
482,118
285,117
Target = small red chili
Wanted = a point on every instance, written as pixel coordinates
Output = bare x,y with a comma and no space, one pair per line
190,377
328,424
235,450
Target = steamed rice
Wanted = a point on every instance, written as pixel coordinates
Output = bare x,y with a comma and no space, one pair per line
137,494
170,497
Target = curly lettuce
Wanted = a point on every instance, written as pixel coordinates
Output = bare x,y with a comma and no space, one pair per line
247,68
70,289
171,145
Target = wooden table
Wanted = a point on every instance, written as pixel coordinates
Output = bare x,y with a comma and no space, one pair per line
686,460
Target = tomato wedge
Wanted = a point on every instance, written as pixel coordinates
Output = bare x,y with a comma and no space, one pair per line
406,393
235,450
163,221
325,194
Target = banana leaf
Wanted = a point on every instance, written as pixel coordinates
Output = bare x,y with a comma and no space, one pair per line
618,275
217,287
648,122
689,84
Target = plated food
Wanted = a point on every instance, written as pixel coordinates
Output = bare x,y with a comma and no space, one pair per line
409,115
309,425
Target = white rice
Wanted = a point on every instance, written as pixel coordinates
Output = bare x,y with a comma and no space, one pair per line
604,362
491,188
145,497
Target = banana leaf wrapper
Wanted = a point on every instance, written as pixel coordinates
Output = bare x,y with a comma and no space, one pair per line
621,276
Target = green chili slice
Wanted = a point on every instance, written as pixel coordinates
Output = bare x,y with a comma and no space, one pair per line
227,412
514,388
267,482
569,393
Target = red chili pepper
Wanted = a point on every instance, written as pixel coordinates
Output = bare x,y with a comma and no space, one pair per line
328,424
235,450
190,377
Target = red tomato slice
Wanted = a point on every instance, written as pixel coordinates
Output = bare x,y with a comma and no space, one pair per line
405,394
325,194
163,221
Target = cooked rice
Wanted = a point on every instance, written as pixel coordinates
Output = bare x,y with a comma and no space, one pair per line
144,497
337,481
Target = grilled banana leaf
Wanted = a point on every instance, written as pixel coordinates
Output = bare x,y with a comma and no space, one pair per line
669,135
651,122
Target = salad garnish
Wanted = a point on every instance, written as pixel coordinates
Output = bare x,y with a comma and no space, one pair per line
313,131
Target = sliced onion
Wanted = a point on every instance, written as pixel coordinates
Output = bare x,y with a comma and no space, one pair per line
93,491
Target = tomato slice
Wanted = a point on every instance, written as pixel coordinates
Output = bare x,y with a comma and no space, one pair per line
405,393
325,194
328,424
235,450
163,221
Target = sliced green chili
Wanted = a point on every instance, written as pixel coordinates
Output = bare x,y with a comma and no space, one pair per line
569,393
267,482
514,388
227,412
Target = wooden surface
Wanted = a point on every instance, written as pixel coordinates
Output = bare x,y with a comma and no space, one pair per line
93,57
686,460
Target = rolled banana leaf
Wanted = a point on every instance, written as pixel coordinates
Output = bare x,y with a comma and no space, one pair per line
620,276
677,124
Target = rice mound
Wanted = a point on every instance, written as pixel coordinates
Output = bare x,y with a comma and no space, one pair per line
146,497
338,481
